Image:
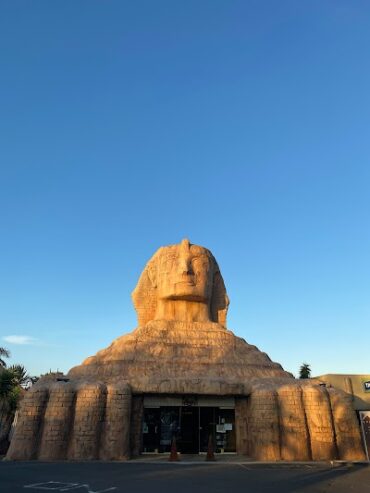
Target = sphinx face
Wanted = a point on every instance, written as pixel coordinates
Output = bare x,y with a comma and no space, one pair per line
185,272
181,283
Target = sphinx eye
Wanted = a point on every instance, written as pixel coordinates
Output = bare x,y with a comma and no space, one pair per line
168,262
199,263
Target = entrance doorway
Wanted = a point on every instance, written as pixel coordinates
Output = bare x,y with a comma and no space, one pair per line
188,438
192,426
220,425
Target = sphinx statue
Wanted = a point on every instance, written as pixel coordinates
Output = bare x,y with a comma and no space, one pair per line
182,346
181,282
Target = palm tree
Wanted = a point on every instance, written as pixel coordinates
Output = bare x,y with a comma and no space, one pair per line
3,353
10,386
6,384
19,373
305,371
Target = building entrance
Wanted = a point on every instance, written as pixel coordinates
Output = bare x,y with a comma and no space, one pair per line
192,426
188,439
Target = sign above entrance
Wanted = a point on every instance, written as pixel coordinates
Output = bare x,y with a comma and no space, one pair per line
189,400
178,400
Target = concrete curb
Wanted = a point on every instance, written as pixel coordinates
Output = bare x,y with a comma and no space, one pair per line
336,463
218,462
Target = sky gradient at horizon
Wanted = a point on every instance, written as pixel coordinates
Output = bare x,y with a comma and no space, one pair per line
243,126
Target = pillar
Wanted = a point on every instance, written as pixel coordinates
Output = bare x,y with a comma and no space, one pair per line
58,422
89,413
347,428
295,442
241,425
26,439
263,425
115,444
137,413
319,421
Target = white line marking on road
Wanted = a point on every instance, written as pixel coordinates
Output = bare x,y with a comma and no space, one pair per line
58,486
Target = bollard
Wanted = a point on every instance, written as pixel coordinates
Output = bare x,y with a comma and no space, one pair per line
210,453
174,456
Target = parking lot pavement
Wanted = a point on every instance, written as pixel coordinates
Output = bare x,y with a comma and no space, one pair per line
118,477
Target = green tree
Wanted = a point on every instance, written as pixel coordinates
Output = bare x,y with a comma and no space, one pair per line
19,374
305,371
11,379
6,383
10,385
4,353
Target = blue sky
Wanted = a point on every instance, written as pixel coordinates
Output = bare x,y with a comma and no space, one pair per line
243,126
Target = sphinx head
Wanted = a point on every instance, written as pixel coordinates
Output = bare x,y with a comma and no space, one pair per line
181,282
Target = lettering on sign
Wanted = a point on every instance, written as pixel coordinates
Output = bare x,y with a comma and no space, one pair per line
367,386
58,486
189,401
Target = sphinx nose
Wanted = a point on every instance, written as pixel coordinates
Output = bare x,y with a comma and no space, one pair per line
185,266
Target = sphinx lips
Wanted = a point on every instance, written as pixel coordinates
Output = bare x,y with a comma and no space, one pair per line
188,282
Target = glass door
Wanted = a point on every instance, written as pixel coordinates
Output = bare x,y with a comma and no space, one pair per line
225,430
170,426
207,427
151,430
188,439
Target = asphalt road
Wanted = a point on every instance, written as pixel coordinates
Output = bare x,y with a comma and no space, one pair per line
99,477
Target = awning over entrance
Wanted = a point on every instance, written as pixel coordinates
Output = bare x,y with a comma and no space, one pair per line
189,400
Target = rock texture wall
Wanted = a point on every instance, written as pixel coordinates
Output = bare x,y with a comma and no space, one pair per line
320,422
57,422
136,424
25,444
279,420
263,425
298,421
73,421
180,357
115,443
295,441
241,425
87,424
346,429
